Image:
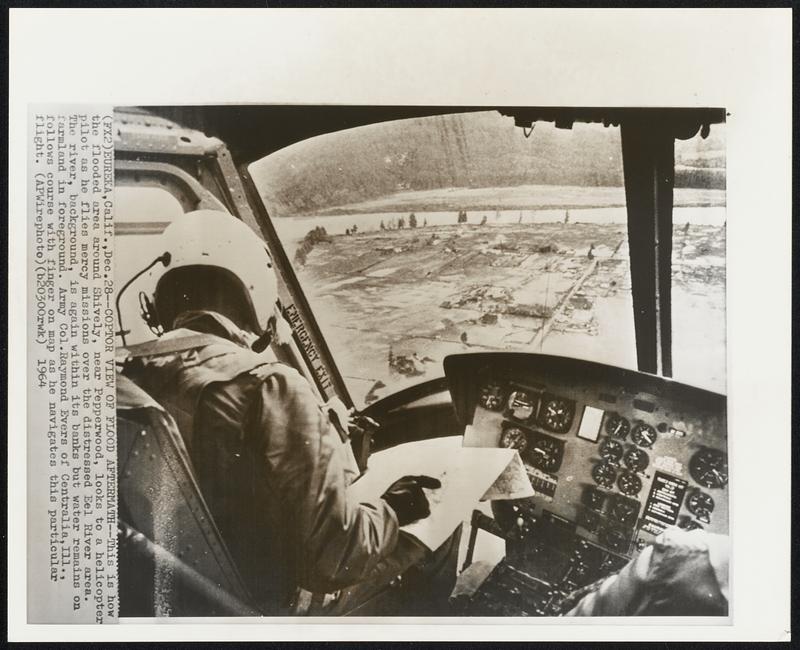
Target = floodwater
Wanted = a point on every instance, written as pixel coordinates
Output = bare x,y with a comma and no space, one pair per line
395,303
423,293
291,230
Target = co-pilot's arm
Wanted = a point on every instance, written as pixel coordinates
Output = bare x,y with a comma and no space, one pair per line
615,594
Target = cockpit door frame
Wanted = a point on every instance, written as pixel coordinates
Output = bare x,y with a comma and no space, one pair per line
648,160
200,172
247,205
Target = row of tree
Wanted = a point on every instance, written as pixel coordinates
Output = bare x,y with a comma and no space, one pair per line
312,238
400,223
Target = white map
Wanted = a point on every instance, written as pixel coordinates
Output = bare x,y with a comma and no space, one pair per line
468,475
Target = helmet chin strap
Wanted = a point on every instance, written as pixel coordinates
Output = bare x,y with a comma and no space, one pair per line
278,332
266,339
283,331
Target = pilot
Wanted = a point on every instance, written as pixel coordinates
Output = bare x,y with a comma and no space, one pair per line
273,467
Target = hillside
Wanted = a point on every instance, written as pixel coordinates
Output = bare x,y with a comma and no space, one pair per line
472,150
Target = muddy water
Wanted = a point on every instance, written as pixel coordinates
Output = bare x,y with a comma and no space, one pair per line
291,230
398,307
413,304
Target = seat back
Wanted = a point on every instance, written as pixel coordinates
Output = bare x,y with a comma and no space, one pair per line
185,569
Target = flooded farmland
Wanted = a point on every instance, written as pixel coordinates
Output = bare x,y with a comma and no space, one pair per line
393,301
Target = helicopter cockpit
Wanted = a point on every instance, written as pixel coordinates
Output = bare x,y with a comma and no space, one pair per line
547,280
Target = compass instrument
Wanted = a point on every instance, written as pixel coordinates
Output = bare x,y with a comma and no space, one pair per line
636,459
617,426
644,435
709,468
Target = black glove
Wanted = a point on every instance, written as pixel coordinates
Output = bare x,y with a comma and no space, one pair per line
406,498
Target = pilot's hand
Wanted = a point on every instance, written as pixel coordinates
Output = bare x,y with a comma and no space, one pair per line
406,498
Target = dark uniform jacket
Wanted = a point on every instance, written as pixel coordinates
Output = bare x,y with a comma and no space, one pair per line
271,466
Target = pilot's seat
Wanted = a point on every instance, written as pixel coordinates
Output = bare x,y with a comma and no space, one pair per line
172,559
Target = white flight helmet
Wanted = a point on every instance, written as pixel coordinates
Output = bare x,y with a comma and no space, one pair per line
207,244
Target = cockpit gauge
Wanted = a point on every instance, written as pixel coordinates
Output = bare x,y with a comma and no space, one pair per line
701,505
588,519
593,498
644,435
604,474
491,397
544,452
557,413
636,459
611,450
629,484
514,438
687,523
709,467
521,405
624,510
615,539
617,426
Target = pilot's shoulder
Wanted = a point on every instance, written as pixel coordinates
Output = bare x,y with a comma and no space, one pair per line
284,390
280,378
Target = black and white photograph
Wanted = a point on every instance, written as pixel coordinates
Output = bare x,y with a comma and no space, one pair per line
399,324
387,361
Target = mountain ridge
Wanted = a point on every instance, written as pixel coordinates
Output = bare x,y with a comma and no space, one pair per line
325,174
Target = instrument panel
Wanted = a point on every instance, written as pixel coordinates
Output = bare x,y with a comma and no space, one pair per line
614,455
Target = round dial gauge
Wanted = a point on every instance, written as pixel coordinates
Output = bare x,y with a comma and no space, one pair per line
521,404
589,520
604,474
644,435
491,397
611,450
624,510
617,426
514,438
543,453
557,414
593,498
636,459
629,484
701,505
615,539
709,467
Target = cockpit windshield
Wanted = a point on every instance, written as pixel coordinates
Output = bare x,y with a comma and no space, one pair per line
420,238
